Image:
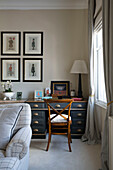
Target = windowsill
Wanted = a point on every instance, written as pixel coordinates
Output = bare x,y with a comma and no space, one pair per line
101,104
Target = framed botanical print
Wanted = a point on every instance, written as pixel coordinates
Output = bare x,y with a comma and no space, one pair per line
33,43
60,88
10,69
10,43
32,69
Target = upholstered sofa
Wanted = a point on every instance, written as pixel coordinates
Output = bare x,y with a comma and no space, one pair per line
15,136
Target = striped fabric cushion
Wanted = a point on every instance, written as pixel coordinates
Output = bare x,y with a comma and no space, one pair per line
25,115
2,153
9,163
8,121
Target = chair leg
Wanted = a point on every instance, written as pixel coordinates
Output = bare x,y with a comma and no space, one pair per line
69,139
49,138
69,144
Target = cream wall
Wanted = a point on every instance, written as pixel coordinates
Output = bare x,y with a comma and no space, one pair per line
65,39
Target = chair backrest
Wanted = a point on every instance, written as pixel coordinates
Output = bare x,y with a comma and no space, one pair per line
67,105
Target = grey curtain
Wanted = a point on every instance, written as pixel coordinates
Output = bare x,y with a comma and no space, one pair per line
92,135
107,12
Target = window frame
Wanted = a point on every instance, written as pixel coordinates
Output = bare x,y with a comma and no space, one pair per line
101,102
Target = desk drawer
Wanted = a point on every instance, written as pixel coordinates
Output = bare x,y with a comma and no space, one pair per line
78,114
58,105
37,114
37,105
37,130
39,122
78,122
77,130
82,105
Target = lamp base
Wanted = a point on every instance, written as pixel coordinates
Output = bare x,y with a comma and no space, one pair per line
80,87
80,94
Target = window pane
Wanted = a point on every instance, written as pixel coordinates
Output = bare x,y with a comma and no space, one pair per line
99,69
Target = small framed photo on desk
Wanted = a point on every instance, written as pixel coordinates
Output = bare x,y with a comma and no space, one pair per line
60,88
19,95
38,94
47,91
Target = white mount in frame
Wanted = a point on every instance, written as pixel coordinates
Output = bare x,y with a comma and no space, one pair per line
10,43
32,69
10,69
33,43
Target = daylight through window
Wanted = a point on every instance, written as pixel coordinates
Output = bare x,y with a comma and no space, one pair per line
98,66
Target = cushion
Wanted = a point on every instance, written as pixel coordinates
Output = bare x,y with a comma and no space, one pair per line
19,144
59,119
8,120
9,163
2,153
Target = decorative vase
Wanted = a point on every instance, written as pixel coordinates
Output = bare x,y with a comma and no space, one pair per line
8,95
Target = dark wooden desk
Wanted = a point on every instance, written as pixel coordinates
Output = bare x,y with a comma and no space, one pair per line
40,116
39,112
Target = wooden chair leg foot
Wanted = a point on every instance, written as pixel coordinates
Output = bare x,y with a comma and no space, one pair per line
69,140
49,140
69,147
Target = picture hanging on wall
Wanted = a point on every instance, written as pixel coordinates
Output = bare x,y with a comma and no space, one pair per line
33,43
10,43
33,70
10,69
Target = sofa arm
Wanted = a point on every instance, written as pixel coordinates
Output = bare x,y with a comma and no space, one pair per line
19,144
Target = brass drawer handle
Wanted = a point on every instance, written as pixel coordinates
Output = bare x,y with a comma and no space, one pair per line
79,105
35,114
79,122
35,105
79,114
58,105
79,130
35,130
36,122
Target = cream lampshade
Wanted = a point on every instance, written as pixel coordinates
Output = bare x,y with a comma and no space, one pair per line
79,67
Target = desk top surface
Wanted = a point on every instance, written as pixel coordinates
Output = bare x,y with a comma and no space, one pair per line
30,100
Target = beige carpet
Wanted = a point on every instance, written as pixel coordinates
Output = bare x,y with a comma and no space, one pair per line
82,157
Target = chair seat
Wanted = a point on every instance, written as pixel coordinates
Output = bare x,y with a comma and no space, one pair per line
59,119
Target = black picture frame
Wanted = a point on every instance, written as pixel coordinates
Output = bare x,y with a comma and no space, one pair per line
30,38
19,95
32,69
10,43
10,69
61,88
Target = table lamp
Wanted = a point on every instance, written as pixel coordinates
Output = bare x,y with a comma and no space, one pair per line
79,67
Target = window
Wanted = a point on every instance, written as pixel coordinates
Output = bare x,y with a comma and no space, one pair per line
98,66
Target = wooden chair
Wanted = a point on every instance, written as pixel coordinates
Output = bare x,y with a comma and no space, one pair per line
59,124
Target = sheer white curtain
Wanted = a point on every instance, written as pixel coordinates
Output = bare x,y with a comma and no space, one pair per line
107,8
